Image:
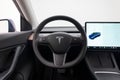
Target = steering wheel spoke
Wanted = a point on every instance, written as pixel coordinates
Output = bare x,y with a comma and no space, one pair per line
59,59
42,40
77,40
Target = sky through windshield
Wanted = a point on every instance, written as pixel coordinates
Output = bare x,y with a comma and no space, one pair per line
81,10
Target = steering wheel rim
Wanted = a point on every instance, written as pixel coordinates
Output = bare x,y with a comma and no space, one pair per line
77,25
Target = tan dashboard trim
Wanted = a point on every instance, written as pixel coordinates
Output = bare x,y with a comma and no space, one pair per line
31,36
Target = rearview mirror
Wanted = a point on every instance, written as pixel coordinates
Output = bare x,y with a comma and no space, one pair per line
6,26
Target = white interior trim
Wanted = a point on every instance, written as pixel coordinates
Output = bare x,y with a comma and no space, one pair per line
27,11
107,72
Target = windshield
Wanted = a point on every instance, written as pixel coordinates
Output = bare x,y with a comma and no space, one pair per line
81,10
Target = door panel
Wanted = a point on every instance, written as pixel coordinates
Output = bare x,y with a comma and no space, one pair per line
5,58
13,39
11,47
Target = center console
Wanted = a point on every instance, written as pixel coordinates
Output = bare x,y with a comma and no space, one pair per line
103,65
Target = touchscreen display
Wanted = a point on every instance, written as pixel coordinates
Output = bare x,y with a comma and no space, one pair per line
103,34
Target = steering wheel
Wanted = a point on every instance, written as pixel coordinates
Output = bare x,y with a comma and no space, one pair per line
60,43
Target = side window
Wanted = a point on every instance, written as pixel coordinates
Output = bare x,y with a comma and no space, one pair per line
9,16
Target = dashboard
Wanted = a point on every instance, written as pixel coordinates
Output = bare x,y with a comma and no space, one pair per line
100,35
102,42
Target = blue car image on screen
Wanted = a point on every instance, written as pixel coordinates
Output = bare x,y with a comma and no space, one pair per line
94,35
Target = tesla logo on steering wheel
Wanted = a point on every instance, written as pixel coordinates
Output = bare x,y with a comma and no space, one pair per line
59,38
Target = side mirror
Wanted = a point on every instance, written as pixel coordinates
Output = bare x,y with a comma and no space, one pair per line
6,25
